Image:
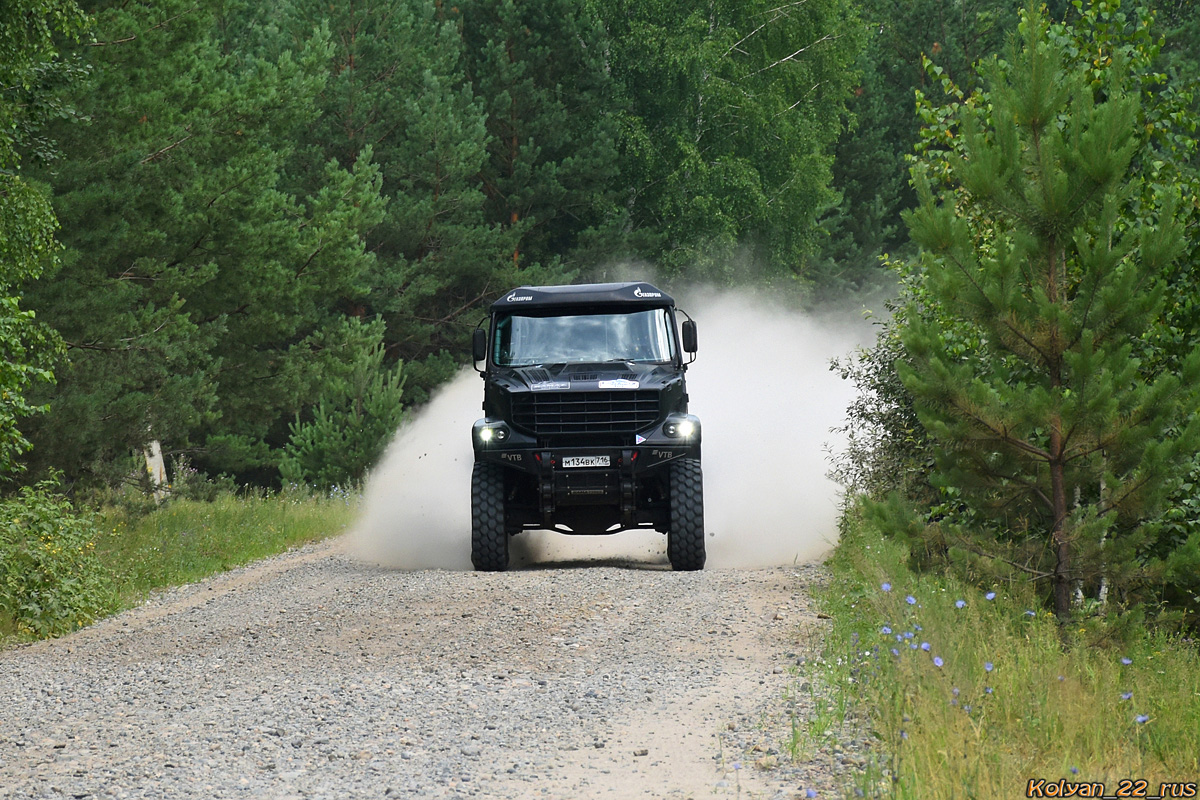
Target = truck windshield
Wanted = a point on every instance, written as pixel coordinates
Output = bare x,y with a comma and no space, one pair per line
639,336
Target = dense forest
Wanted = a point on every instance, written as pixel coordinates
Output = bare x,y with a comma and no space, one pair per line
256,233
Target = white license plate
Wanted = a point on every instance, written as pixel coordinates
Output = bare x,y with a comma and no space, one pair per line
584,461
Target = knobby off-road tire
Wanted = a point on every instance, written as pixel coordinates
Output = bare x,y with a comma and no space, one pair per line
489,539
685,539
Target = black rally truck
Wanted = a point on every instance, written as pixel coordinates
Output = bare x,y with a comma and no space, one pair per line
586,427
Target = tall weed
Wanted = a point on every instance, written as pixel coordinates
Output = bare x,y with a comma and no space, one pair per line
975,691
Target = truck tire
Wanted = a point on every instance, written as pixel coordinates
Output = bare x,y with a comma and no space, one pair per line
685,539
489,539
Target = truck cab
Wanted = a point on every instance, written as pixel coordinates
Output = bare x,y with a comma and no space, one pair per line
586,427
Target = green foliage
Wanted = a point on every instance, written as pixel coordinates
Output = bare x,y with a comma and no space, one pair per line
1046,428
186,540
29,72
728,113
195,265
1032,328
869,168
350,425
1011,699
51,579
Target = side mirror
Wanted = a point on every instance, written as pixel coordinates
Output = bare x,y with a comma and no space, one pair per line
479,344
689,336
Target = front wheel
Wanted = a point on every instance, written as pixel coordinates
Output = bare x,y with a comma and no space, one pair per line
489,539
685,539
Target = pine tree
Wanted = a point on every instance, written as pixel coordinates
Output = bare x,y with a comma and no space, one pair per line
540,71
194,266
729,111
1028,376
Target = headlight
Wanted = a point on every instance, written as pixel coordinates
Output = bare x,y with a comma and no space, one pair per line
680,428
497,432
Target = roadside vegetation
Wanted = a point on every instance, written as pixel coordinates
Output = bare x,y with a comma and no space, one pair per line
62,569
1015,595
975,690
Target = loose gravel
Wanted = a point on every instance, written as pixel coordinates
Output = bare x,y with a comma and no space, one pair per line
311,675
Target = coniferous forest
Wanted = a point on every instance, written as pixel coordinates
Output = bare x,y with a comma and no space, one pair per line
257,233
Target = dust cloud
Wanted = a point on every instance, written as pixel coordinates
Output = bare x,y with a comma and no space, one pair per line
767,400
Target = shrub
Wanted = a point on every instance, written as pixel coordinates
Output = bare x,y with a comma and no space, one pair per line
51,581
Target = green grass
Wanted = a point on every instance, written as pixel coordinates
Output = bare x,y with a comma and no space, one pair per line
187,540
1110,704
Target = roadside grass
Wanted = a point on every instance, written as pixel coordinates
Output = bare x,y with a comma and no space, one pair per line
187,540
970,692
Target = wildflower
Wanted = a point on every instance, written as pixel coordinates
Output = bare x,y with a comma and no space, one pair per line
908,634
916,627
1141,718
925,646
1061,678
895,652
810,792
990,596
1126,695
912,601
954,702
937,661
912,645
1126,661
1030,612
887,587
959,603
903,734
885,629
899,638
954,691
1074,770
988,690
988,666
967,709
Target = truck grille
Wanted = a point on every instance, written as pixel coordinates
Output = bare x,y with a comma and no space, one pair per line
584,413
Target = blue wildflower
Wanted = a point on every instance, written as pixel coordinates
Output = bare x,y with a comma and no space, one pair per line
1074,770
908,634
988,690
988,666
810,792
959,603
990,596
1126,695
912,645
885,629
937,661
912,601
1141,718
895,652
887,587
925,646
1030,612
1126,661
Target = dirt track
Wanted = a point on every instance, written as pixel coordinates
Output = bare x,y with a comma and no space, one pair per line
314,675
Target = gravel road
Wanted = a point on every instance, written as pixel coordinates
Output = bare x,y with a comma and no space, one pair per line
312,675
